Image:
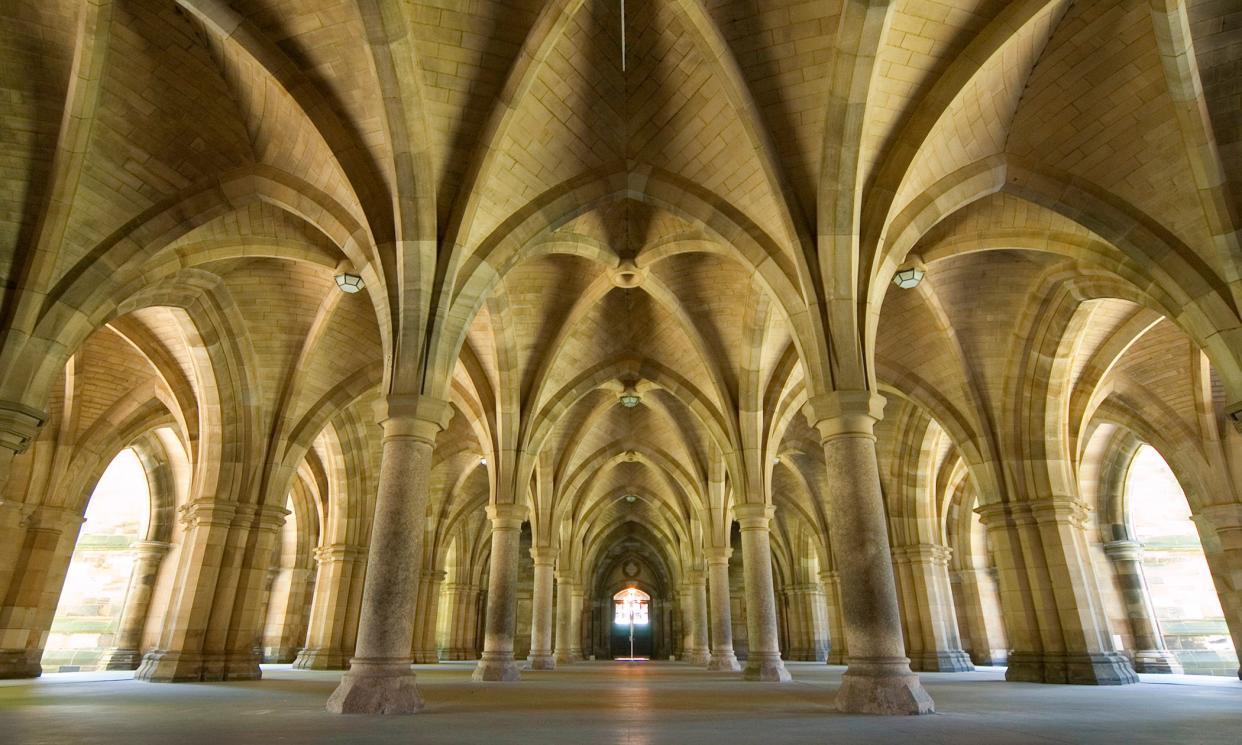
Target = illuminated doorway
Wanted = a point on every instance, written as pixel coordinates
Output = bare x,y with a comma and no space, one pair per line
631,625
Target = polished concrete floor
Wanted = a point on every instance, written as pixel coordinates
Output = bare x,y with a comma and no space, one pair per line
607,702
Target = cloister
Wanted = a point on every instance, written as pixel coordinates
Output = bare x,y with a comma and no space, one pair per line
895,340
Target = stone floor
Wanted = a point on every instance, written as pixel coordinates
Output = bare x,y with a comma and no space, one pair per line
607,702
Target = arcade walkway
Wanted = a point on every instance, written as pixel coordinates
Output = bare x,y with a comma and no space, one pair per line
606,702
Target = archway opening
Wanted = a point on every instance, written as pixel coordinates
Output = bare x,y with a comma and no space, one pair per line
89,612
1183,594
631,625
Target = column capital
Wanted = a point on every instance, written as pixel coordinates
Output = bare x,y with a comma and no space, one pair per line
753,516
150,549
566,578
506,516
695,577
413,417
829,576
543,556
1042,510
718,554
338,552
1124,550
433,575
267,517
845,413
19,424
923,552
1220,516
208,512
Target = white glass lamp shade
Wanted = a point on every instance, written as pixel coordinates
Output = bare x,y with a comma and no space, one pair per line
350,283
909,278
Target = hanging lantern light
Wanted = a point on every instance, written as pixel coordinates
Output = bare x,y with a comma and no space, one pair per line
350,283
629,398
908,278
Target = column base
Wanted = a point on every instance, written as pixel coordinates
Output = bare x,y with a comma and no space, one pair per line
162,666
1156,661
950,661
458,655
768,668
121,659
377,686
541,662
1104,669
497,669
280,655
320,659
836,657
724,661
20,663
991,658
882,686
699,657
426,657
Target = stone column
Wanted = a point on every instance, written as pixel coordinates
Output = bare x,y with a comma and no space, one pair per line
837,651
26,612
879,679
463,600
575,624
285,630
565,585
763,657
807,622
1053,611
981,614
379,679
700,652
426,612
1150,653
497,662
340,569
126,652
935,643
1220,530
723,657
541,657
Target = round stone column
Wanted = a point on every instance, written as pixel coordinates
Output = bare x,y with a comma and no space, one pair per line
763,658
426,613
723,657
878,679
831,582
565,585
1150,654
125,653
379,679
497,663
575,623
541,657
700,653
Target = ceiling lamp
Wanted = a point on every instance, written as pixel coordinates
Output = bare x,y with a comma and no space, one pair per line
908,278
631,498
630,398
482,461
350,283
